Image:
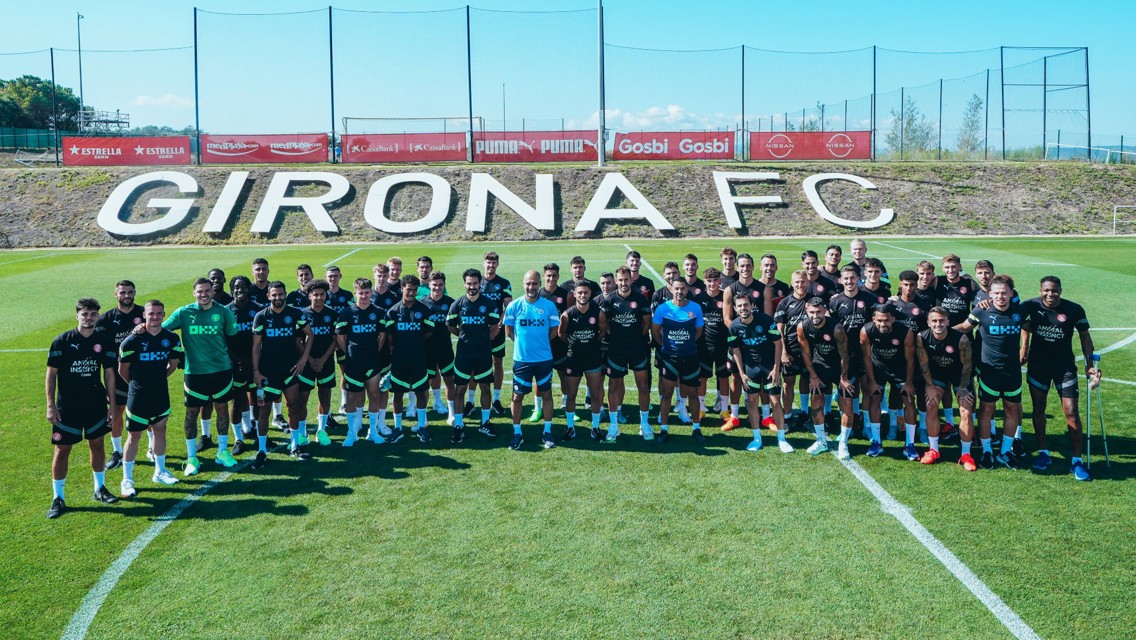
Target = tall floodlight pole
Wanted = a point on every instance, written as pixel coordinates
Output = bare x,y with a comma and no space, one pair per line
600,144
79,37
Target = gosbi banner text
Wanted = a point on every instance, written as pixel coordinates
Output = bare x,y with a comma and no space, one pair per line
108,152
272,149
405,147
534,146
810,145
668,145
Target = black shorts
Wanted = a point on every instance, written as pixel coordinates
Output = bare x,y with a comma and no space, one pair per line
559,354
474,366
278,379
526,375
885,376
794,368
497,345
206,388
580,363
242,375
356,375
829,379
73,429
684,369
143,411
405,377
994,385
761,380
714,361
621,360
1063,378
441,359
310,379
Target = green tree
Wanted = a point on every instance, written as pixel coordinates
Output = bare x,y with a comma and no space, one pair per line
970,133
910,129
33,104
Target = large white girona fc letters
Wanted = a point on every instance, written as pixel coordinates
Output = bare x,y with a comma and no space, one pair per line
810,186
176,208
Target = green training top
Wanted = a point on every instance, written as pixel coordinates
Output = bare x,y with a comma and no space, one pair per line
203,336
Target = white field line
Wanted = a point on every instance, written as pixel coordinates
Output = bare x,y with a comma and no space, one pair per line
1127,382
22,350
352,252
920,253
94,599
1055,264
972,582
649,267
1114,346
46,255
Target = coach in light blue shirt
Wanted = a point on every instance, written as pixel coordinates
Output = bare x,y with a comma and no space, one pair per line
530,322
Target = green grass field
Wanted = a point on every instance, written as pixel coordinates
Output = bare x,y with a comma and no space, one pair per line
635,540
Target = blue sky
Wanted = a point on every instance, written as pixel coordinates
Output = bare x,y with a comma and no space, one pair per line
548,67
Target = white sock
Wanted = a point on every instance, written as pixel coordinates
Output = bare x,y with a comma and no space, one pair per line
845,433
117,444
322,417
1007,443
437,395
382,421
874,431
470,396
909,429
934,440
819,430
539,406
702,403
205,427
764,411
99,479
450,406
375,431
246,422
644,418
160,462
781,435
965,448
128,471
398,421
411,402
149,440
191,448
1018,433
496,395
277,409
734,411
57,488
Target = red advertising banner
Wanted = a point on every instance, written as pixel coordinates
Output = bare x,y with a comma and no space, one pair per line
107,152
274,149
405,147
534,146
810,145
668,145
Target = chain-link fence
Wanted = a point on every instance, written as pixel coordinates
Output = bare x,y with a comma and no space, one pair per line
470,69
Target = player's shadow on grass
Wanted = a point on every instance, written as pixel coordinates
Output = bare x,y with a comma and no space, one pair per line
384,461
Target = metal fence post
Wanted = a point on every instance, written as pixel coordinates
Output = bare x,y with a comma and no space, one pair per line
902,122
55,109
331,75
1088,106
469,81
873,117
1045,106
986,135
1002,79
939,154
196,91
743,136
601,146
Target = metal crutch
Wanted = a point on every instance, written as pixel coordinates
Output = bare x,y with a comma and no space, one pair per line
1095,385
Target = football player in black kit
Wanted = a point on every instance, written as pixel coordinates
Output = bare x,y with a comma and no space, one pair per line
713,353
582,327
824,349
755,344
499,291
641,283
259,290
629,325
561,297
146,360
889,358
407,327
945,365
789,313
217,280
998,364
852,308
240,352
476,322
440,348
729,266
77,401
1047,352
319,374
299,297
118,323
277,362
357,332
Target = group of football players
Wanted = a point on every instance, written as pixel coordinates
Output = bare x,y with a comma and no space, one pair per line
858,349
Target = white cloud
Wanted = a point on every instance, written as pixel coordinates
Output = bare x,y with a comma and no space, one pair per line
167,100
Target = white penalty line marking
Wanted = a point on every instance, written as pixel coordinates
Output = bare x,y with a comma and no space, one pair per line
1011,620
95,598
648,265
1055,264
349,253
920,253
22,350
1114,346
